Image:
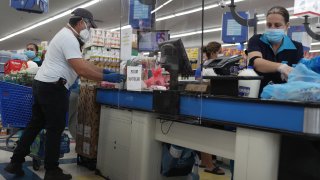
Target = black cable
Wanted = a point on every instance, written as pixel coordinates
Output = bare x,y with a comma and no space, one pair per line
162,122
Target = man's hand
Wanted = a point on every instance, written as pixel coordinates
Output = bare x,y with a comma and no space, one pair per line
113,77
106,71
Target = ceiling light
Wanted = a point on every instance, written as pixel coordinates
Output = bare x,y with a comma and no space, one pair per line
236,44
166,17
161,6
194,33
260,15
313,51
229,45
192,11
60,15
315,44
123,27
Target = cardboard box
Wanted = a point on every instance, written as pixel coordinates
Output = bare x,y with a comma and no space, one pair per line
88,122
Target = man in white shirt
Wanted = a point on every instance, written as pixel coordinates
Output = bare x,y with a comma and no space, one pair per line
62,65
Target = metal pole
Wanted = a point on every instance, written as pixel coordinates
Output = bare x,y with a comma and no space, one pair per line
202,27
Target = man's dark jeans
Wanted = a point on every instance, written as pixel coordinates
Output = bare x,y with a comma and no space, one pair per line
48,112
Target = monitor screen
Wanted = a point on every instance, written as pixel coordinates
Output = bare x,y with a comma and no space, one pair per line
148,40
179,51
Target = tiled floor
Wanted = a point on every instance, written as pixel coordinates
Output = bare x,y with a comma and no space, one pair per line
69,165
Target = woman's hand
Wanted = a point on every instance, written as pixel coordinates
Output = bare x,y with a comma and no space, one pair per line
285,70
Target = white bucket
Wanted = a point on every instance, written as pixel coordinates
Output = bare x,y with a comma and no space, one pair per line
248,88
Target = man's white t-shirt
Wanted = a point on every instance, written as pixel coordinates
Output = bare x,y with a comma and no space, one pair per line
62,47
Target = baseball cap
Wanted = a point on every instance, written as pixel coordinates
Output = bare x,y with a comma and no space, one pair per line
80,12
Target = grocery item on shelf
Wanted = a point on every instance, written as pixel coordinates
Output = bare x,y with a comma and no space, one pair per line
103,50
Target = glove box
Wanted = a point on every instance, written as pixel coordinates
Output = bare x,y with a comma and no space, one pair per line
166,102
227,85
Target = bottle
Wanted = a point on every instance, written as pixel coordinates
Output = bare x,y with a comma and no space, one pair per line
248,88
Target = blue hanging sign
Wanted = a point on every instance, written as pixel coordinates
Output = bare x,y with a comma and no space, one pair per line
140,15
32,6
232,31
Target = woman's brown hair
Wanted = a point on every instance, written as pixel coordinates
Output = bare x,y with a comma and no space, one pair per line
212,47
281,11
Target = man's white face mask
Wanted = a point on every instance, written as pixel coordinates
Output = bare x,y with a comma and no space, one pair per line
85,33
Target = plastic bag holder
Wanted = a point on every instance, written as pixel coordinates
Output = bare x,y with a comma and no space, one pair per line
227,85
166,102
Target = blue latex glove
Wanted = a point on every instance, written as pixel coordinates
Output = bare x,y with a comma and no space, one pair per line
113,77
106,71
313,64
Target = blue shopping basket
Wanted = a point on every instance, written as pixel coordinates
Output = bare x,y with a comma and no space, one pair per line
16,104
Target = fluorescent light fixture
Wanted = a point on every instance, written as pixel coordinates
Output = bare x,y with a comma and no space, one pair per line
236,44
262,22
60,15
315,44
290,9
165,17
192,11
123,27
229,45
195,32
161,6
313,51
260,15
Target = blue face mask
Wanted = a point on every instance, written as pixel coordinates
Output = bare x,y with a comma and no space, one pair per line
274,36
30,54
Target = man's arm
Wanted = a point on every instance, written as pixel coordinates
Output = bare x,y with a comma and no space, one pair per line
86,69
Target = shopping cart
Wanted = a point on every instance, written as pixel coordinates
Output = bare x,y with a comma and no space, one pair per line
16,112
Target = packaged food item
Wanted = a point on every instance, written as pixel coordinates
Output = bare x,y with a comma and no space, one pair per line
14,65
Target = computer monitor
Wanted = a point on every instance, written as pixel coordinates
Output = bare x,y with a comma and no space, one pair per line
148,40
175,60
175,48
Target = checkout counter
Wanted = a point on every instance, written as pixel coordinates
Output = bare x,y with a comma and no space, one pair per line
131,132
134,124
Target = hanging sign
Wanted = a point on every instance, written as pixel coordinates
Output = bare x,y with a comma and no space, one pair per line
140,15
232,31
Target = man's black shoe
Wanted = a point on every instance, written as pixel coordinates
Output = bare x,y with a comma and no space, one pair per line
56,174
14,168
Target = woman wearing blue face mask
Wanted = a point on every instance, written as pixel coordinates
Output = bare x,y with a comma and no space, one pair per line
267,51
32,52
299,157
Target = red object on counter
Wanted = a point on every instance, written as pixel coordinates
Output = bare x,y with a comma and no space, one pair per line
156,79
14,65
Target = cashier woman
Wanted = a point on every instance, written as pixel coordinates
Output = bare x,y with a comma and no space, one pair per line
211,51
272,54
